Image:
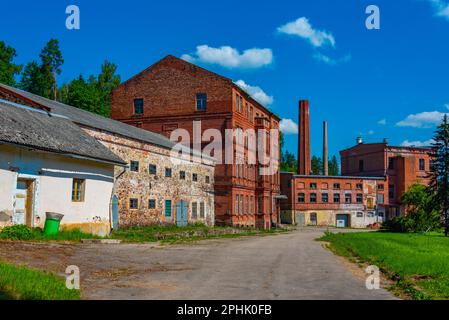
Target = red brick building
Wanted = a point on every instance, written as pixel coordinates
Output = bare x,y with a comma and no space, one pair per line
172,94
374,177
402,167
337,201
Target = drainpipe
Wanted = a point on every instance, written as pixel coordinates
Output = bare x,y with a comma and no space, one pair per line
112,195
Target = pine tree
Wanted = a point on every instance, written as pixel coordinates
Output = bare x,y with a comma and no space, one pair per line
317,165
440,172
7,68
52,61
334,169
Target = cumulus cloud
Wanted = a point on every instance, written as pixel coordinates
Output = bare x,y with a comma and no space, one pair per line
382,122
229,57
422,120
301,27
256,93
288,126
441,8
331,61
417,143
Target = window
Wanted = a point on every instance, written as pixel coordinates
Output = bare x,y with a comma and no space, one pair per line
336,198
359,214
202,210
182,175
313,197
251,205
348,198
236,204
380,187
194,210
138,106
313,219
236,102
207,178
391,163
391,191
246,110
168,208
422,164
247,205
194,177
151,204
432,165
313,185
152,169
201,101
361,166
359,198
370,214
134,166
251,114
241,205
359,186
325,197
301,197
78,188
168,172
380,198
336,186
134,203
380,214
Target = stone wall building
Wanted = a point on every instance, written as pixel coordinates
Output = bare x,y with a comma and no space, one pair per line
48,164
173,94
157,185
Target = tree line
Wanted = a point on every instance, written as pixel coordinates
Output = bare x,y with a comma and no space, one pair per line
289,163
40,77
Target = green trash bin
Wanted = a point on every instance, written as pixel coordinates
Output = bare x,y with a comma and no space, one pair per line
52,222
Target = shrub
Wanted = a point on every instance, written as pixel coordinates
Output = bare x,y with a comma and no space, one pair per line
17,232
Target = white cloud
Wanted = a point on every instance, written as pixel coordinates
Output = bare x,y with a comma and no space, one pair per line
256,93
331,61
288,126
422,120
229,57
302,28
382,122
447,106
417,143
441,8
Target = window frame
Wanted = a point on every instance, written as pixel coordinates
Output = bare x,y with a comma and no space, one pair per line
134,162
78,188
150,201
132,207
142,106
168,209
150,169
201,97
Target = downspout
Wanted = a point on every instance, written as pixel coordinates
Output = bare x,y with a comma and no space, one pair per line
112,195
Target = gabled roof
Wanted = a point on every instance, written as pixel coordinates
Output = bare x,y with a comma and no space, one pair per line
91,120
38,129
191,65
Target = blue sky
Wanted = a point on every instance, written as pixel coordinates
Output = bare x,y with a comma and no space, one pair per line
389,83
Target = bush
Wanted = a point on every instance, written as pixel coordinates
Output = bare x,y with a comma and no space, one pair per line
17,232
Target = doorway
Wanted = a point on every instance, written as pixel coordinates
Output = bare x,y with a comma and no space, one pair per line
114,210
23,205
342,220
181,213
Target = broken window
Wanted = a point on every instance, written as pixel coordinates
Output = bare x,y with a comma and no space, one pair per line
359,186
313,185
359,198
194,177
336,186
348,198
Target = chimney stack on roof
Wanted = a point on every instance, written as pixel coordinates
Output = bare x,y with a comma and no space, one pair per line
359,140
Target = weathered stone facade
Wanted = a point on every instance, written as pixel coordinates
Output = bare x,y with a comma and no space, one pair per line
144,186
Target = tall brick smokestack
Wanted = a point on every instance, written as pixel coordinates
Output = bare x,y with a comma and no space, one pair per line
304,163
325,157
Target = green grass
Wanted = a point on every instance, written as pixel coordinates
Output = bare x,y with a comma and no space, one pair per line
22,283
418,263
175,234
36,234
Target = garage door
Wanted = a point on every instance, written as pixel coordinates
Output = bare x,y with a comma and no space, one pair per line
342,221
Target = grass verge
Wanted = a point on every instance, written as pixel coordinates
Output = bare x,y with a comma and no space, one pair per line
418,264
22,283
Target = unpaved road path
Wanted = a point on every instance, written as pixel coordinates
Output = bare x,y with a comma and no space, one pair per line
284,266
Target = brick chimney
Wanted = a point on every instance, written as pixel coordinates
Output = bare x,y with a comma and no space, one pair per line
304,163
325,156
